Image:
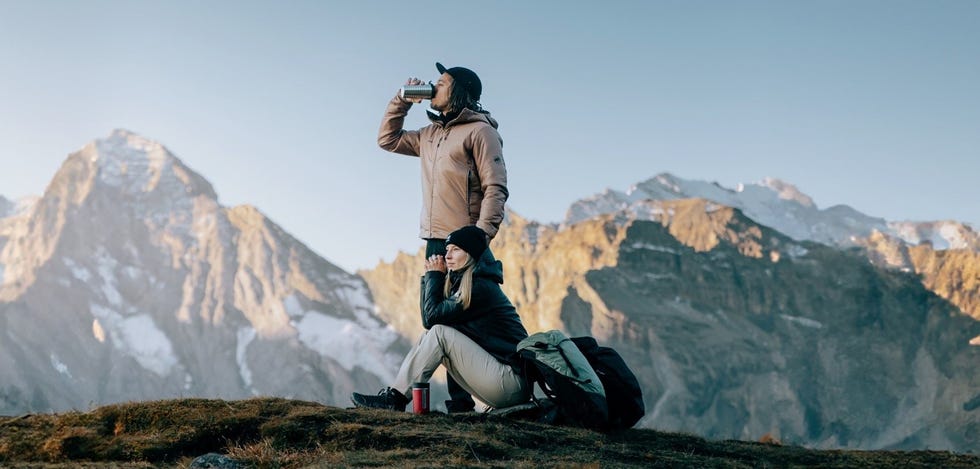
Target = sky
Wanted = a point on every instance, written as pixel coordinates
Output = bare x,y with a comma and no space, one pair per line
872,104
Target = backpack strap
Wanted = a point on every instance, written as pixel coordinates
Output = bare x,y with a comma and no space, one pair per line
571,367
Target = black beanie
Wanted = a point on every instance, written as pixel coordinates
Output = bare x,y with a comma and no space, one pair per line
470,239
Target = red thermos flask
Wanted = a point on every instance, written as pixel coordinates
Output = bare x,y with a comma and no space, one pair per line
420,398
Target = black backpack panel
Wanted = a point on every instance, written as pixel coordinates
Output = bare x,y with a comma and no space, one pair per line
572,404
623,394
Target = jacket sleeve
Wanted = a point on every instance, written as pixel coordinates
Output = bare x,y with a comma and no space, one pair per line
439,310
392,136
489,159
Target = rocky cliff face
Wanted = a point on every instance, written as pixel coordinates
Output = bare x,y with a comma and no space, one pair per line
128,281
952,273
737,330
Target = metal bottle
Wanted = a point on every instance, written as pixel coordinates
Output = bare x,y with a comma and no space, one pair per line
423,91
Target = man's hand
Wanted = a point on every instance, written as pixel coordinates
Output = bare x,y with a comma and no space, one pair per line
435,263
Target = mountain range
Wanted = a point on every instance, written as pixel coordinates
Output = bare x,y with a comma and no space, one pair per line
945,253
744,311
128,281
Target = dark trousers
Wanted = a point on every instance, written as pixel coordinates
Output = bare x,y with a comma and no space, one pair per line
459,399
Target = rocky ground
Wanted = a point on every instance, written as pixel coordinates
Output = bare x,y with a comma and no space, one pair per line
268,432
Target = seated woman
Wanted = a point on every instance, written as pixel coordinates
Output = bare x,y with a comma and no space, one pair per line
472,329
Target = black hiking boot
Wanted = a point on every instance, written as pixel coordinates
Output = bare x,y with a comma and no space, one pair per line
460,399
455,406
387,398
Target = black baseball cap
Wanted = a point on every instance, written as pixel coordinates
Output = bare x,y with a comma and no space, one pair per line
465,77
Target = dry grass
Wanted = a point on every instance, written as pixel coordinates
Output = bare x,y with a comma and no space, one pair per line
278,433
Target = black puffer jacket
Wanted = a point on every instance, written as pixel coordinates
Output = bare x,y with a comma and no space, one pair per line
491,320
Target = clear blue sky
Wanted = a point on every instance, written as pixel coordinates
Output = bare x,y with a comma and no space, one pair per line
874,104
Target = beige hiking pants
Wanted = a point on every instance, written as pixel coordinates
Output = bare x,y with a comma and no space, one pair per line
478,372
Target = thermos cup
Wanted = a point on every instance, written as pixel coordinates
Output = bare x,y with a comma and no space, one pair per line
420,398
423,91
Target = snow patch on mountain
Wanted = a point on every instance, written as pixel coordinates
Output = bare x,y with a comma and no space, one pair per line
941,234
653,247
354,294
645,211
245,337
796,251
807,322
361,343
787,191
139,337
292,306
106,267
79,272
59,366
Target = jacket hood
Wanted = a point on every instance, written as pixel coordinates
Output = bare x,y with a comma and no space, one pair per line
465,116
488,266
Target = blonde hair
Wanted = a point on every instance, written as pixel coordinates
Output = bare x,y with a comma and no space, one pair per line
465,283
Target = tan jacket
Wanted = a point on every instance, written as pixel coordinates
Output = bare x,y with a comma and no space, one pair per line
464,179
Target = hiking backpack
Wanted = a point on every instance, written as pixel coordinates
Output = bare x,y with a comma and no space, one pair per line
623,394
575,392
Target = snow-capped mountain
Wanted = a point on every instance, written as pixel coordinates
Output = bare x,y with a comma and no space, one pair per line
128,280
945,254
779,205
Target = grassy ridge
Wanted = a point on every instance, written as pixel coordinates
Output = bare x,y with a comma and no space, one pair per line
269,432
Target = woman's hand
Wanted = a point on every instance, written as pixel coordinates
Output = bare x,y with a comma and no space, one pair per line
435,262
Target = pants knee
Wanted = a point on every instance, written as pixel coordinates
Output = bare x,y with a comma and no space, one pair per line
438,330
437,334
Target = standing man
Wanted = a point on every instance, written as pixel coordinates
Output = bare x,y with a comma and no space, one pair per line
464,179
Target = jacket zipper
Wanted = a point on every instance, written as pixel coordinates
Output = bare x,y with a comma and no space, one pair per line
435,180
